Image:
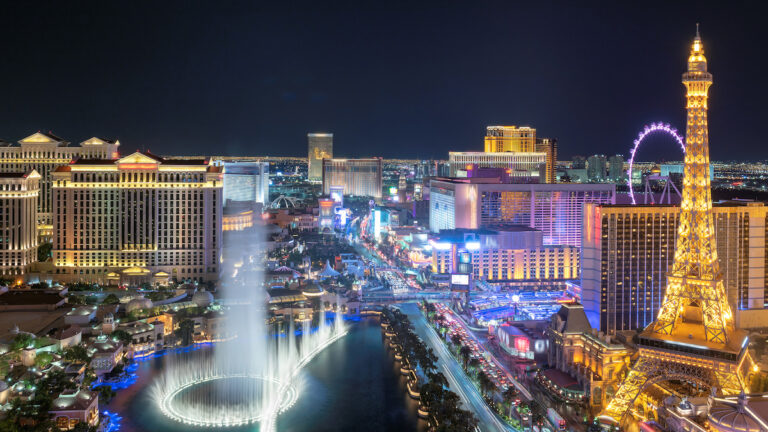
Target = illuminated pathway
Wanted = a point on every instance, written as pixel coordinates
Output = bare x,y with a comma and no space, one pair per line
456,377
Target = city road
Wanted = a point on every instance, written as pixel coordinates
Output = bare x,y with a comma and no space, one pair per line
458,380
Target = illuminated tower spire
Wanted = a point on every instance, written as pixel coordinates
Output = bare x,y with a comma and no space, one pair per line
693,338
695,284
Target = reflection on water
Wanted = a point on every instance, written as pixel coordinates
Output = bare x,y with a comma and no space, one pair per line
351,386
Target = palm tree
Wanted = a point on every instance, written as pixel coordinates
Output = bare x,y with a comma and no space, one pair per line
474,363
509,395
455,339
537,411
486,384
439,378
465,352
186,331
440,320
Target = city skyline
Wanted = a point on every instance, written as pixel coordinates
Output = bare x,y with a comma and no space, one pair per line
261,77
151,282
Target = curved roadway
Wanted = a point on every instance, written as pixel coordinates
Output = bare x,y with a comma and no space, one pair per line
458,380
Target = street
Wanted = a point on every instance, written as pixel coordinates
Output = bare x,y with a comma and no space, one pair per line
458,380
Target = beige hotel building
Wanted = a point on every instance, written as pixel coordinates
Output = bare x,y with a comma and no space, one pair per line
18,216
137,219
44,152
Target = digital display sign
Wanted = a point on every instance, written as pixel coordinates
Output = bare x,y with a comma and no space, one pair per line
459,279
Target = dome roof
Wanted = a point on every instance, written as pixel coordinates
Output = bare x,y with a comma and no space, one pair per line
727,418
202,299
312,290
138,303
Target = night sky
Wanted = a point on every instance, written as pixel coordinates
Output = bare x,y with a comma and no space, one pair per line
393,79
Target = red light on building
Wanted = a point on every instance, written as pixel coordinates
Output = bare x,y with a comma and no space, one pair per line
137,166
522,344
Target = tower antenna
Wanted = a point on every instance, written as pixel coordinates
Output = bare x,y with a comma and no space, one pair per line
697,30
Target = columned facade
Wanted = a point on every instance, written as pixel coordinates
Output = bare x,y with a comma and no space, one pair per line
18,222
132,219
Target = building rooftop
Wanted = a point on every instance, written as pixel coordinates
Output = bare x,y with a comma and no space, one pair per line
561,379
82,311
136,327
13,175
285,295
573,319
32,298
70,401
105,346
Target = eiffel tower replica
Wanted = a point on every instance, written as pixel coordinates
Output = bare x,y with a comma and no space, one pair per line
694,338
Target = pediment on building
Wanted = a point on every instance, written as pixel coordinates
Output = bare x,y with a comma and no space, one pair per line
41,138
98,141
138,158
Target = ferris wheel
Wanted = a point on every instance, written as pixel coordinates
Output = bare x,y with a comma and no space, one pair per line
653,128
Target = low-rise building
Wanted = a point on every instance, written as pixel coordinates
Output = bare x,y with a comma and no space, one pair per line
214,328
81,315
105,354
146,338
73,407
595,360
67,337
30,300
302,219
522,342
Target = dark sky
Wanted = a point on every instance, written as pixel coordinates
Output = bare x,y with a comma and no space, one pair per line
392,79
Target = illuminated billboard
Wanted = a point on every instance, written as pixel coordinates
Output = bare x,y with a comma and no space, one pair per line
459,279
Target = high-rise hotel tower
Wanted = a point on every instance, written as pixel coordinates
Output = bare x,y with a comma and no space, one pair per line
18,221
44,152
320,147
137,219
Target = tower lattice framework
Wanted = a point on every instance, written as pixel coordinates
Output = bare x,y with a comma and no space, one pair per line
693,337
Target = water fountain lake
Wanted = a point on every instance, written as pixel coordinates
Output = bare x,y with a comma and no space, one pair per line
250,377
354,382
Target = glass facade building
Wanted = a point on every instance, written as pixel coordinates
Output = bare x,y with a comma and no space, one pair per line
360,177
246,181
554,209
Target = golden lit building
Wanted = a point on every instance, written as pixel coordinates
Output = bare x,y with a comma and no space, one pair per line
320,147
597,361
126,220
510,139
18,221
548,146
44,152
239,221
